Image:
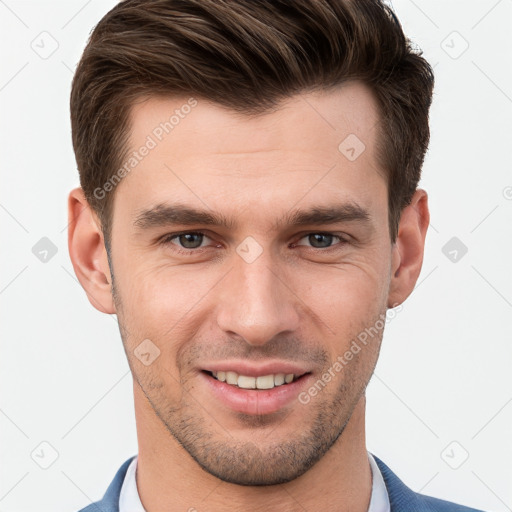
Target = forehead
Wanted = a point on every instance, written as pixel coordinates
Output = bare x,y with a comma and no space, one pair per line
315,146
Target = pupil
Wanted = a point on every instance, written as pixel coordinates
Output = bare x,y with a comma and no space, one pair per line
188,242
317,238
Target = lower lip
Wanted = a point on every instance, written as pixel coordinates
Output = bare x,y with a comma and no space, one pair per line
255,401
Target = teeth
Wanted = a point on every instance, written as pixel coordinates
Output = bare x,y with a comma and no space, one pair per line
261,382
246,382
279,379
231,378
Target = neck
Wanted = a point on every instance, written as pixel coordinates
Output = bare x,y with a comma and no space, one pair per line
169,479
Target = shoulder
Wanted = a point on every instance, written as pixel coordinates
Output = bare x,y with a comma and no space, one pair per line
403,499
110,500
445,506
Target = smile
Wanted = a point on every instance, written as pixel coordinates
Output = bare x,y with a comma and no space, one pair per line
247,382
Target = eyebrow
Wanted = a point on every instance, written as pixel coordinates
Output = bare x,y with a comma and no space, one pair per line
165,214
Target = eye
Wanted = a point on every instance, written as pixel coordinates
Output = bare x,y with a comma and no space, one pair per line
186,242
194,242
322,240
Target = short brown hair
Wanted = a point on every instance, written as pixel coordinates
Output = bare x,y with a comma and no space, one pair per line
247,55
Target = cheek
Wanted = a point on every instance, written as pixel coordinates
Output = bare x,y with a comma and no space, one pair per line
161,302
349,300
347,292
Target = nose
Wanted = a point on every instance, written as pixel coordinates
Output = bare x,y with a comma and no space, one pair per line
255,302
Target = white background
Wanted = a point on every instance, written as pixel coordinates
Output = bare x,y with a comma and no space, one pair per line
444,373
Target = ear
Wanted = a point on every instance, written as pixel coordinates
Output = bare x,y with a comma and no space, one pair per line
407,252
87,251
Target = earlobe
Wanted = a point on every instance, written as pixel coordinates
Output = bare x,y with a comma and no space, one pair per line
88,254
407,252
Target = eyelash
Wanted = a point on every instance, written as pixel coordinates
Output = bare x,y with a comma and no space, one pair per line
167,240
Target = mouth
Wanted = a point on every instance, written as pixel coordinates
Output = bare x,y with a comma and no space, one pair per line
255,391
269,381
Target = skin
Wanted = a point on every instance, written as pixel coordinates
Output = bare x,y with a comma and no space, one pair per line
297,301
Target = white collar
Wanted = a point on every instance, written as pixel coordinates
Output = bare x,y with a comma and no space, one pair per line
379,501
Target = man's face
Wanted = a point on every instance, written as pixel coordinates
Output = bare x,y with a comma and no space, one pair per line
262,296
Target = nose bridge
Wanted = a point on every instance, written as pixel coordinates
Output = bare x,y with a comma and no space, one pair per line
255,304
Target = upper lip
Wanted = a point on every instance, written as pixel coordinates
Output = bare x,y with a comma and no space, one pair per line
256,370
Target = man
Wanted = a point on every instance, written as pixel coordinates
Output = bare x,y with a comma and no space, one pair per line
249,210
